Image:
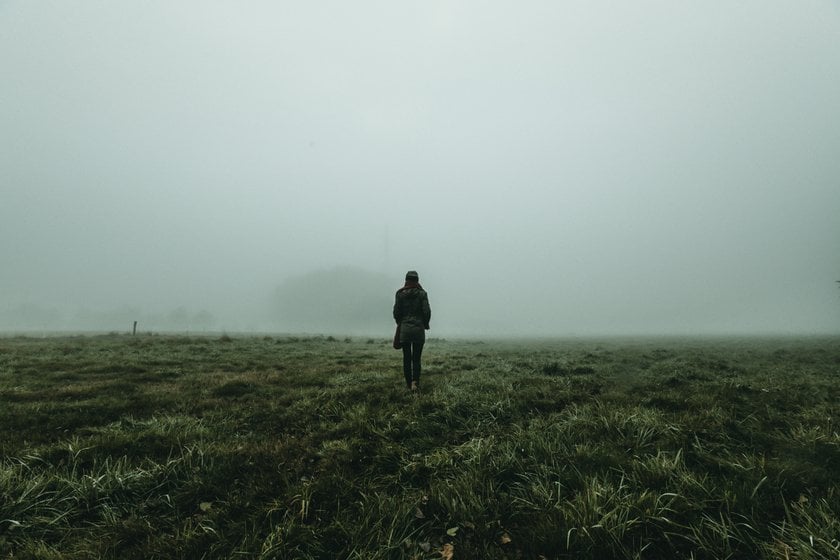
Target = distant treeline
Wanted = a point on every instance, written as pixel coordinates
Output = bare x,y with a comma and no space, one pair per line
341,299
30,316
338,300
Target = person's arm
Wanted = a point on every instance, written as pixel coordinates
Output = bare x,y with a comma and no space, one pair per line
427,312
397,309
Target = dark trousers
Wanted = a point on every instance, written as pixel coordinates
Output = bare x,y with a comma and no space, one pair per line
412,351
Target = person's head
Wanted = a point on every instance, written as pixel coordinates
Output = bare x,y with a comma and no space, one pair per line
412,276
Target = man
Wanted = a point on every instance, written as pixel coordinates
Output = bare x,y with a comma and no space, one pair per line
412,314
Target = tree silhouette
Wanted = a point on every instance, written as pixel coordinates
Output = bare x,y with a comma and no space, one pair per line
342,299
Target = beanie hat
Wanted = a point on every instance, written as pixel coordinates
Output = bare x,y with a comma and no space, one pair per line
412,275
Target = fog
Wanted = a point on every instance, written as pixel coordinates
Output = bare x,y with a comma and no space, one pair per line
549,167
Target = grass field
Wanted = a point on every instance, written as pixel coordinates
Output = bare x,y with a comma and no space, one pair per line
265,447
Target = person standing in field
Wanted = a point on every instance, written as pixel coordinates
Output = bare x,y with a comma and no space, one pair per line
412,314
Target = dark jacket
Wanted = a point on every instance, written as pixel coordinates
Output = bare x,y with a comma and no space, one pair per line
412,313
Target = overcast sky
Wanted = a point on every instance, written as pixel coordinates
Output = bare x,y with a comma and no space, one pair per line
549,167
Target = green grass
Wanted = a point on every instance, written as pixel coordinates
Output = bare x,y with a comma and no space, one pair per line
296,448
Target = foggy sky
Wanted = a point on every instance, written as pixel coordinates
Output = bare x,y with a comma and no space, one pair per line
549,167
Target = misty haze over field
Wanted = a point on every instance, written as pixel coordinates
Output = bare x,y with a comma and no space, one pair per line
549,167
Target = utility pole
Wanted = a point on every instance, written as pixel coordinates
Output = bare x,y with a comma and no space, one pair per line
386,247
